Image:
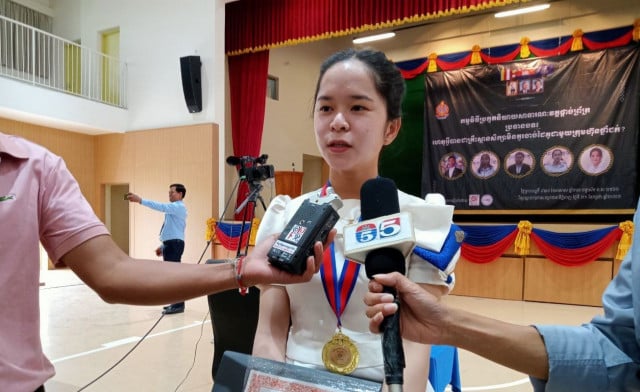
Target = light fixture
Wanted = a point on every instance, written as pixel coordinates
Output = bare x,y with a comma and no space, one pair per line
376,37
523,10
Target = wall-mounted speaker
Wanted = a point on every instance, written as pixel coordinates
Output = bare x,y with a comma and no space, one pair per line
191,83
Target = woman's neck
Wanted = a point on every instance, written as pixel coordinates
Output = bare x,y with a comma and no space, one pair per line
347,186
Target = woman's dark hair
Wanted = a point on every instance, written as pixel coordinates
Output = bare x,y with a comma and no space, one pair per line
386,76
180,189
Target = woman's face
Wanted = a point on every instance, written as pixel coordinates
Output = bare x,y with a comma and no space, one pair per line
350,118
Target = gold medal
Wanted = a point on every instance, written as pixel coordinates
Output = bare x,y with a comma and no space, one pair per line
340,354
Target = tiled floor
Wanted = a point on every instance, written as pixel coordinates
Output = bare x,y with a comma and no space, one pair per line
84,337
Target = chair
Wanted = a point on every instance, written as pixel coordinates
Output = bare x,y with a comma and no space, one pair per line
444,368
234,319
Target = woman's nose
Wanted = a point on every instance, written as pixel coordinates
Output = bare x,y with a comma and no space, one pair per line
339,123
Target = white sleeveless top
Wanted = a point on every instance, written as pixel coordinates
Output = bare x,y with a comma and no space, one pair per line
314,321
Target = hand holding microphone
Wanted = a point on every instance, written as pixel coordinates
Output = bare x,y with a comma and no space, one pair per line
424,317
383,239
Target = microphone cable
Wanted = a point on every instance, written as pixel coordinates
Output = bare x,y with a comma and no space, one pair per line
226,206
145,336
237,184
195,351
204,319
121,359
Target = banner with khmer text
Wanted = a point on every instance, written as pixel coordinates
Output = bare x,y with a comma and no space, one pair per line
556,133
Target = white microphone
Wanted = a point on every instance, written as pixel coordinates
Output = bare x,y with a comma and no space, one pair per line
388,231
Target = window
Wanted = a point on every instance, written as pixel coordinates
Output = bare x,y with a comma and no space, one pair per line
272,87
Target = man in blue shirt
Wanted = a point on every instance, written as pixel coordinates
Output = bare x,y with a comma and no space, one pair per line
602,355
172,231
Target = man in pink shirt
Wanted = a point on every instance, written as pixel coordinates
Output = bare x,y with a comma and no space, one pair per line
41,201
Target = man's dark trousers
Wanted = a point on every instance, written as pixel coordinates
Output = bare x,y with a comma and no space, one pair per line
172,251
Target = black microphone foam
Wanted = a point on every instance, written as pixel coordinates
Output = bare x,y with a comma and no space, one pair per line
379,197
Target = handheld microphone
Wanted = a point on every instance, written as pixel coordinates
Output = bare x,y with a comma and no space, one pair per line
312,222
379,204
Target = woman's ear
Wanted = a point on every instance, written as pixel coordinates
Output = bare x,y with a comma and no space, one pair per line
392,130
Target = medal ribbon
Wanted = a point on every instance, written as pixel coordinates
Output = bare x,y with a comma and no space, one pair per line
337,290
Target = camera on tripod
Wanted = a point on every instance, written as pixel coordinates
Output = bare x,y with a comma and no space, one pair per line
252,169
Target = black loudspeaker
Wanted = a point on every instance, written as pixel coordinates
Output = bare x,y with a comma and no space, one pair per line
191,83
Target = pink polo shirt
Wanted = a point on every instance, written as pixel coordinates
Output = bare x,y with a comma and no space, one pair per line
39,201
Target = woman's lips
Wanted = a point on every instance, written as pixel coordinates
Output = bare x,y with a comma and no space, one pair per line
339,146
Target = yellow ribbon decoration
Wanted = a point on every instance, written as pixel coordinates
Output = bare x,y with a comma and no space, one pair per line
210,234
524,48
433,66
522,239
625,241
577,41
254,230
475,55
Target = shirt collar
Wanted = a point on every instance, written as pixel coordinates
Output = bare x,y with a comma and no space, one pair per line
9,146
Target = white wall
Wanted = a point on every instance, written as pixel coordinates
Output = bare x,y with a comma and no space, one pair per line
288,126
68,19
24,102
154,34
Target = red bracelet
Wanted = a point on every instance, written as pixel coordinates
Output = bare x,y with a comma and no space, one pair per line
242,288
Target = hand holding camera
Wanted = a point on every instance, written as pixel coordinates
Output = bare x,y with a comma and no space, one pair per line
132,197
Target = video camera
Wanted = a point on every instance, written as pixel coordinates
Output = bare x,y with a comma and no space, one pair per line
252,169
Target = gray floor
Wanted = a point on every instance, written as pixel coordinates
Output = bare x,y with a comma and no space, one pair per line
83,337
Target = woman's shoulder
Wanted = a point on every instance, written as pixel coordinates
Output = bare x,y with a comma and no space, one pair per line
289,202
430,199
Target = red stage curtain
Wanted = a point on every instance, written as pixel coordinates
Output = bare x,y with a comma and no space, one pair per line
256,25
248,95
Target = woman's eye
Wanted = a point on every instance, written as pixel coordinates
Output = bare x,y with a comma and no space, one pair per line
324,108
357,108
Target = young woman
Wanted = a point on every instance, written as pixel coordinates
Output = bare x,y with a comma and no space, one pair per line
357,112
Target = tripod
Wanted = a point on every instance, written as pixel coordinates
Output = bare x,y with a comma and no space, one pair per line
234,318
249,204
